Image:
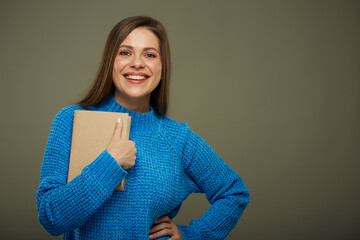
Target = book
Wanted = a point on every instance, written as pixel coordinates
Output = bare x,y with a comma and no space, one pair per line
92,131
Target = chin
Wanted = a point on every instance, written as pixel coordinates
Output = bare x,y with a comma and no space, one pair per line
135,95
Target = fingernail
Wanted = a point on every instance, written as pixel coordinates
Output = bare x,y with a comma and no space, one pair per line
118,120
151,236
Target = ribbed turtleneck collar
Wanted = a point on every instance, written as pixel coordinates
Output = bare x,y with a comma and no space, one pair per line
140,122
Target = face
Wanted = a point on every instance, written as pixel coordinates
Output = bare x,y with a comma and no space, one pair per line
137,66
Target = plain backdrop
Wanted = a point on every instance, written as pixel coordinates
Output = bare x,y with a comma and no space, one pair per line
272,86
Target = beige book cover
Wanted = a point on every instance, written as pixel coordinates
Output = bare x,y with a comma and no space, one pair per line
92,131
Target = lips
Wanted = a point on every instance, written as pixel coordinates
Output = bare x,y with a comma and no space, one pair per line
132,76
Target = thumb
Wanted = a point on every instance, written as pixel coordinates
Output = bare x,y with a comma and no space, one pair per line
118,129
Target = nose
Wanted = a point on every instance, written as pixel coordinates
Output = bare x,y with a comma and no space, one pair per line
137,62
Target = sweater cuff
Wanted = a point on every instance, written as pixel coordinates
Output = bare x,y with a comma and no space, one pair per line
106,171
189,232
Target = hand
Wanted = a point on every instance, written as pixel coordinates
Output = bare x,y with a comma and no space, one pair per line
165,227
122,150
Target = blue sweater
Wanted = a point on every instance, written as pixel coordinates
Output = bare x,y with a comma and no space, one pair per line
171,163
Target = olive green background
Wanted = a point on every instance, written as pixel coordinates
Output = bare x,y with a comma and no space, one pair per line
272,86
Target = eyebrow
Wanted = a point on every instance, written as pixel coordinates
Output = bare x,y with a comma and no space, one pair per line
131,47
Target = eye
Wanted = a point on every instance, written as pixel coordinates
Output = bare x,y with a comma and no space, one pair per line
125,53
150,55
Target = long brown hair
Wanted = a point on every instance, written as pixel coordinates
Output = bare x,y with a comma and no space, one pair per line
103,85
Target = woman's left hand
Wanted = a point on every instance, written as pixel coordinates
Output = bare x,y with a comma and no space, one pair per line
165,227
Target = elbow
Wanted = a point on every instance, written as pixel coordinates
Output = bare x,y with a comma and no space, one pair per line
51,227
242,199
246,195
242,193
47,219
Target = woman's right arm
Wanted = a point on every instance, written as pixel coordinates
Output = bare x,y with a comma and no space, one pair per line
64,206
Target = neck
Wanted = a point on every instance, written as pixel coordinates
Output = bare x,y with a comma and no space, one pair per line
141,123
140,105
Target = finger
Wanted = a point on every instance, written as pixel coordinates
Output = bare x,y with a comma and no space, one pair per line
164,218
132,143
118,129
164,232
159,227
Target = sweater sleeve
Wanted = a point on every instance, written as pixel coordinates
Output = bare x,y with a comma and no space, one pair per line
223,187
64,206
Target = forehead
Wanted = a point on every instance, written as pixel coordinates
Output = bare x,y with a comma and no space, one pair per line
141,38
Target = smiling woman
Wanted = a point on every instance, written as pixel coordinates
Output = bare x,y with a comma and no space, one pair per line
164,161
157,47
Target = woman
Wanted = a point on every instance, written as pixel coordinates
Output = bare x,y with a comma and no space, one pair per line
164,161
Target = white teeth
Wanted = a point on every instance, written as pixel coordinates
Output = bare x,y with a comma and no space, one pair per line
136,77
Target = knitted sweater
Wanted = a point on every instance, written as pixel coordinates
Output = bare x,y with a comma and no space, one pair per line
171,163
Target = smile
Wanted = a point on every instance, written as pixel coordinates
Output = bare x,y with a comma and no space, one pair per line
136,77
